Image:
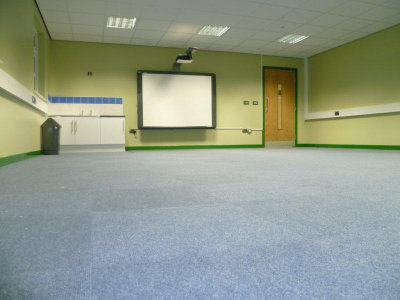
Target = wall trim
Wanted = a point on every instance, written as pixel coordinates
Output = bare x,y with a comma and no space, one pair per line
181,147
349,146
18,157
344,112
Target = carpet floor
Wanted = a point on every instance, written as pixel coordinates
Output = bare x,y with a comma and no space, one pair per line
199,224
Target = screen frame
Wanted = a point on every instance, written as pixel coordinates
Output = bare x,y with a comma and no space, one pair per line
140,99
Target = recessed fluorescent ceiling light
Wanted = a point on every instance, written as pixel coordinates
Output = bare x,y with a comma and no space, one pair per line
121,22
213,30
292,38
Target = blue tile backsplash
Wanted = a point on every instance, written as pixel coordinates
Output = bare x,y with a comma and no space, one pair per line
92,100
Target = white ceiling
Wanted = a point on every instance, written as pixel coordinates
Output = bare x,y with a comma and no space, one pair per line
255,24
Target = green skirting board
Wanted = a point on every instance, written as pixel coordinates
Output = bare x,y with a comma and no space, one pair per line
378,147
18,157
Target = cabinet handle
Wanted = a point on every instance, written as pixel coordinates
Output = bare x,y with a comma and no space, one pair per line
123,125
76,126
267,106
72,126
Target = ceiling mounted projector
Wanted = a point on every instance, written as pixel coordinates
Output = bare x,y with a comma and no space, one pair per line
186,58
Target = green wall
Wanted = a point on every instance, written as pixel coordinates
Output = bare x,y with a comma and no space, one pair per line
19,123
361,73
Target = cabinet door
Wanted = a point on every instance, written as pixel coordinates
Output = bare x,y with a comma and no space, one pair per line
112,131
67,133
87,130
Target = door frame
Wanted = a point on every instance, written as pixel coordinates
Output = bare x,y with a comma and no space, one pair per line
295,99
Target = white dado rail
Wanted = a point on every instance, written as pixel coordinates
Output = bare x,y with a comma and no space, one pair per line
13,87
344,112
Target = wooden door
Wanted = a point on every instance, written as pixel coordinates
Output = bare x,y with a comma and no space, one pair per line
280,107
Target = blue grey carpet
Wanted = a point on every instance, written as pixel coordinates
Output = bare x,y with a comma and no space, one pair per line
198,224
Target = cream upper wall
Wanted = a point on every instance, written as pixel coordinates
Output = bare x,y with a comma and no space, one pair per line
20,124
363,72
114,68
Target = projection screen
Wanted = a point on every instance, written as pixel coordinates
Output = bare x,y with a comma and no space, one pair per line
176,100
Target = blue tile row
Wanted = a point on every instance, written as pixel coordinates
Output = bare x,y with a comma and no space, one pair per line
90,100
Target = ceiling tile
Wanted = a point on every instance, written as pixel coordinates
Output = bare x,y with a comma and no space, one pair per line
161,14
379,13
375,26
353,24
148,34
267,35
87,29
62,36
328,20
253,23
176,36
352,8
392,3
272,12
322,5
59,27
309,29
55,16
276,45
58,5
117,32
253,43
288,3
393,20
203,39
351,36
87,6
227,41
237,33
184,27
87,19
151,24
123,9
332,33
235,7
88,38
376,2
301,16
117,39
282,26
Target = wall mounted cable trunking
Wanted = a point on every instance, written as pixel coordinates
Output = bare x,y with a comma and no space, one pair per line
13,87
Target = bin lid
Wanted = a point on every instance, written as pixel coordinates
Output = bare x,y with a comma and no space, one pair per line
50,123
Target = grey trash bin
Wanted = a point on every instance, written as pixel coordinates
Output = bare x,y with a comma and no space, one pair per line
50,137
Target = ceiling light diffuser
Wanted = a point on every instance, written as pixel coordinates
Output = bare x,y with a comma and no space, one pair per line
292,38
213,30
121,22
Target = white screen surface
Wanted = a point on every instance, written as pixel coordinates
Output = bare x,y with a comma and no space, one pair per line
177,101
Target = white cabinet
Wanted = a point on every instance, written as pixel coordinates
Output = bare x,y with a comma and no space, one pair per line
87,131
91,130
112,130
67,132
